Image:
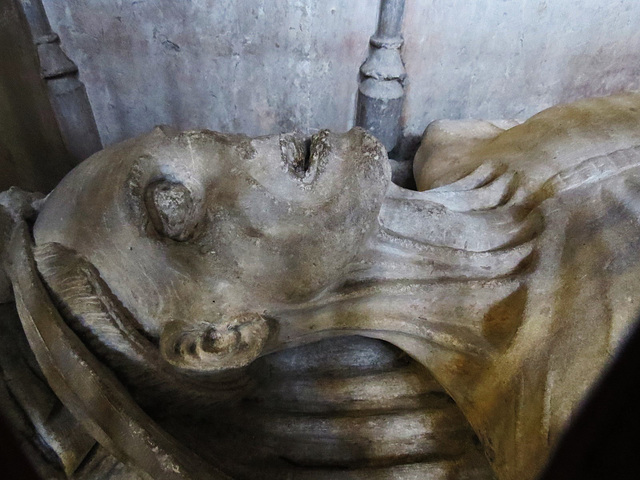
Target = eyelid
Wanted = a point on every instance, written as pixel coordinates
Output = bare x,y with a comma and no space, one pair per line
172,209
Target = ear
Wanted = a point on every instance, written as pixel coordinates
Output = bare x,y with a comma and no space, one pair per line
214,347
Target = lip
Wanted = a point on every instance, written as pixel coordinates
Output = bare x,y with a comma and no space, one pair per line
304,157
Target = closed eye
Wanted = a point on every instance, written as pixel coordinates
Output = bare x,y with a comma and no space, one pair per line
172,209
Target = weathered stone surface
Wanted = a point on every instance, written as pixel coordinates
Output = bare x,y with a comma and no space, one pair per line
252,67
215,306
259,67
487,59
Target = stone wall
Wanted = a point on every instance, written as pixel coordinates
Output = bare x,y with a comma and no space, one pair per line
258,66
233,65
510,59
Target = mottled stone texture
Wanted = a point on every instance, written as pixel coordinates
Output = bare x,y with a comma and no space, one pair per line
500,59
213,306
259,67
253,67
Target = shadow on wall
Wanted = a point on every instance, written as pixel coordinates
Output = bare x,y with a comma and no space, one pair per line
32,153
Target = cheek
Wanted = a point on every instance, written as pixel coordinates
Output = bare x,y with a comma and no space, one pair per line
179,291
274,250
155,282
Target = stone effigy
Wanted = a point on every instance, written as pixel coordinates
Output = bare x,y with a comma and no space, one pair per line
200,305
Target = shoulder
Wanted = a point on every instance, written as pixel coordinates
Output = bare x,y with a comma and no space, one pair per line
555,140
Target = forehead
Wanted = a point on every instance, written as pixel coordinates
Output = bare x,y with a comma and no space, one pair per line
200,156
203,161
193,152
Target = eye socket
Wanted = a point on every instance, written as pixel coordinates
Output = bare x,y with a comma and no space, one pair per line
172,209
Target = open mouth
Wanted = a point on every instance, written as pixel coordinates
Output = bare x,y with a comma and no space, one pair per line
304,156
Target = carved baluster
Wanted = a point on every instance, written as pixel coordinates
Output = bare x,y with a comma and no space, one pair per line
67,94
381,90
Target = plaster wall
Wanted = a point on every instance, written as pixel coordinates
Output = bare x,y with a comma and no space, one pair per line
246,66
258,66
510,59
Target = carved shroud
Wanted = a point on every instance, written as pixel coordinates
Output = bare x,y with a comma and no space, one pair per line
497,299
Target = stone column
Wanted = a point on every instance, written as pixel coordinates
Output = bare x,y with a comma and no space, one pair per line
381,90
66,92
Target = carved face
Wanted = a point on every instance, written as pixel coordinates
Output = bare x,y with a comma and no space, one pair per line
195,226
